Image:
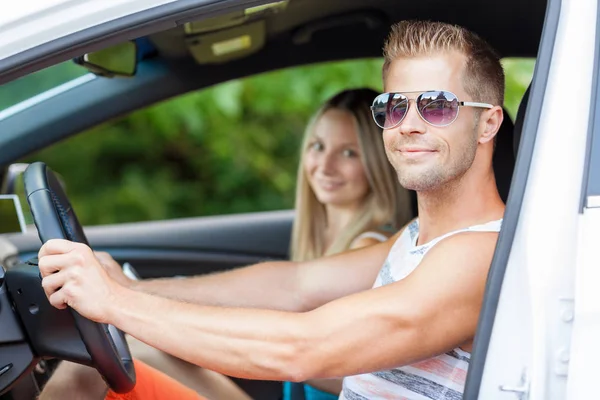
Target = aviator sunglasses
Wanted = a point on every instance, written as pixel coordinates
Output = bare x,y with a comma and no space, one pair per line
436,107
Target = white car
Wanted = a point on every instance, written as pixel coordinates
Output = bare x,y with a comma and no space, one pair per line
538,331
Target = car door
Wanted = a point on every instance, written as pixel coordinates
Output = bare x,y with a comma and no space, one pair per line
524,343
185,247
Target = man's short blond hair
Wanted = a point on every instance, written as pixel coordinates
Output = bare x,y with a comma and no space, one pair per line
483,78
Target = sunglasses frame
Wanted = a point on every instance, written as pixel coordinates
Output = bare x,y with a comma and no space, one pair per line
460,104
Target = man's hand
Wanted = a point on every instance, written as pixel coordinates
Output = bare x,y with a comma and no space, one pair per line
72,276
114,270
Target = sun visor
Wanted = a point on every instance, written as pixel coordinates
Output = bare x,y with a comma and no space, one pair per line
230,36
235,18
227,44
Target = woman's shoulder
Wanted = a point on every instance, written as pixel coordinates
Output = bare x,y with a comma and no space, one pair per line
370,237
377,234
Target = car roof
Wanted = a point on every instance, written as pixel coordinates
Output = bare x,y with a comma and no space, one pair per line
57,30
28,24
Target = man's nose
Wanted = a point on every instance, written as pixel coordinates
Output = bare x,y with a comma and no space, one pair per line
412,122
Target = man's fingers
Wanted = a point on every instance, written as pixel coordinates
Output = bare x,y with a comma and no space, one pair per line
53,282
58,300
57,246
51,264
48,265
61,246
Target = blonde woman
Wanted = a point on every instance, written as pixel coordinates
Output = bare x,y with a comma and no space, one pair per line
347,194
347,191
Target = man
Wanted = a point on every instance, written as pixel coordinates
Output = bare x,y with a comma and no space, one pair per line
409,334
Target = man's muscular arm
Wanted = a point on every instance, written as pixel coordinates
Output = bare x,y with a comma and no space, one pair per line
430,312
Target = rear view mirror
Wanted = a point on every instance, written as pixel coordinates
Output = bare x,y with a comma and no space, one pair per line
118,60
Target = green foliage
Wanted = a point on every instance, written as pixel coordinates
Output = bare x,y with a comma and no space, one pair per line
518,76
226,149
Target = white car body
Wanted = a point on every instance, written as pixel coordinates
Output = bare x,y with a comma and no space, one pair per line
548,318
30,23
544,344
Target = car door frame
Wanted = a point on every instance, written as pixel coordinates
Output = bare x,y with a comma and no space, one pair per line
522,346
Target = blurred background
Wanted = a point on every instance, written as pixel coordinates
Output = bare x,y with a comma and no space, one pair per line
231,148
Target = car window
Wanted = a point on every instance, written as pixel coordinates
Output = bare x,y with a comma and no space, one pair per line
230,148
25,88
519,72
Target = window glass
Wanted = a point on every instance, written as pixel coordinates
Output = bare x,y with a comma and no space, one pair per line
31,85
230,148
519,72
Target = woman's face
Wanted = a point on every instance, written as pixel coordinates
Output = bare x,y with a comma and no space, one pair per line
332,162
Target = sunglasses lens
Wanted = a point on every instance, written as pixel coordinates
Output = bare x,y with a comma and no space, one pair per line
389,109
439,108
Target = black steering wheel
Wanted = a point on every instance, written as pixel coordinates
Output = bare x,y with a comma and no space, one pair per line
55,219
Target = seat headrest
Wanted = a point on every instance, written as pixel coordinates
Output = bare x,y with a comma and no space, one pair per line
503,160
519,121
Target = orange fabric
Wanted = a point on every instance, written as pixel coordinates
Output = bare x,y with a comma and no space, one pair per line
154,385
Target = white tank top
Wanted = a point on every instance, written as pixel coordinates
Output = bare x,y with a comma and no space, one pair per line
440,377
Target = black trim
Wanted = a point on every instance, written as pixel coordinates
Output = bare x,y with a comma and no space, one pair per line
514,203
113,32
591,172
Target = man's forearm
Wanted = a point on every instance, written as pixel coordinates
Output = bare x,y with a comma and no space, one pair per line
271,285
240,342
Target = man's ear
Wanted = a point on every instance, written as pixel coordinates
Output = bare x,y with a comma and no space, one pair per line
489,124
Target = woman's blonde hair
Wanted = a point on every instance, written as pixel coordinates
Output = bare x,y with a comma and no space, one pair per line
387,203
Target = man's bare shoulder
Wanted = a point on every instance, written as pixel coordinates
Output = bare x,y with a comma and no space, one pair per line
462,254
469,241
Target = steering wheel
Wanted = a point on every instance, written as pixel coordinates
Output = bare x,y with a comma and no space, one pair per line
55,219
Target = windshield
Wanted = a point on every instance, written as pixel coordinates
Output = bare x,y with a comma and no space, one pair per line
31,85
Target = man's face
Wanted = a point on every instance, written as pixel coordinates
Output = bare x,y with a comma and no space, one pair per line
424,156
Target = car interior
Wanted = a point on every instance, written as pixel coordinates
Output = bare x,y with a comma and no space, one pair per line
200,53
